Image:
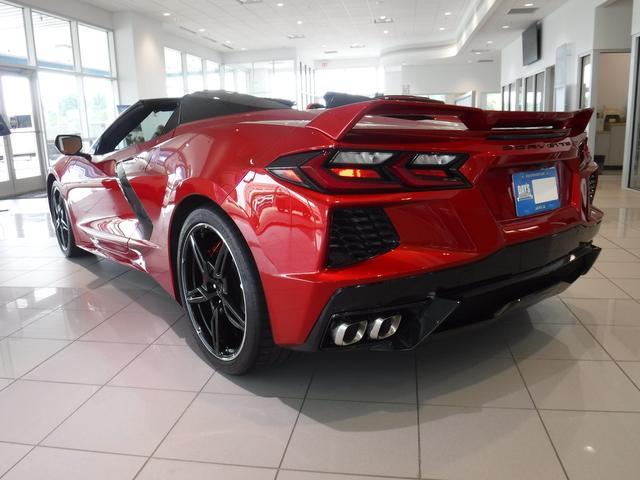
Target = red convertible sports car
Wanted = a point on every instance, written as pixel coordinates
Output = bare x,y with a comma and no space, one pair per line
371,224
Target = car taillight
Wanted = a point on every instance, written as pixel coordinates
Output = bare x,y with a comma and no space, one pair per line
585,155
354,171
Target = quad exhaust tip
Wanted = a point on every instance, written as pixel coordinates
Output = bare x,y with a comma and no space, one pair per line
382,328
348,333
345,334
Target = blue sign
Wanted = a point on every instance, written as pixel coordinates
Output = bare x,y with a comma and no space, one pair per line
4,129
536,191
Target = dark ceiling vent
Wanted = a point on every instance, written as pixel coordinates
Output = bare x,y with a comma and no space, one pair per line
330,51
522,11
188,30
248,2
210,39
227,46
485,60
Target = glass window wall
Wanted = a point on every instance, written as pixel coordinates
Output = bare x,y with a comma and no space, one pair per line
53,41
13,41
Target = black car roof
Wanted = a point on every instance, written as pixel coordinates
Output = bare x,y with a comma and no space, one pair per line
218,103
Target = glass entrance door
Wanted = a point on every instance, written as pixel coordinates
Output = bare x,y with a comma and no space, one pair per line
20,154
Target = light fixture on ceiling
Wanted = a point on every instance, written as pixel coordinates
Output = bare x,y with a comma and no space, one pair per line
441,29
478,53
383,20
489,42
382,17
166,14
299,22
505,26
295,36
385,32
227,42
323,46
357,45
330,52
243,48
202,29
447,14
279,4
528,4
248,2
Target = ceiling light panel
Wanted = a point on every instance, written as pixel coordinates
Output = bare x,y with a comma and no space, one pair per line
522,11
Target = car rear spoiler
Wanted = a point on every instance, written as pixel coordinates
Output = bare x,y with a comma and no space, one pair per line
337,122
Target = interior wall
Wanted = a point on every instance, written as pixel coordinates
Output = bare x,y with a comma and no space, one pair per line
259,55
573,24
613,81
450,78
139,45
393,82
613,24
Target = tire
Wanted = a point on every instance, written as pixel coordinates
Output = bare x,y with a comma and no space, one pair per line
224,300
62,223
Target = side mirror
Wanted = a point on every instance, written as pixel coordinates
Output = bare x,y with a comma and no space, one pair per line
68,144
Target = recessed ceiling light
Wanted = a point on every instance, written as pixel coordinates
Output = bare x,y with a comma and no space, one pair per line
323,46
243,49
227,42
166,14
202,29
505,26
383,20
478,53
299,22
528,4
382,17
441,29
279,4
385,31
357,45
489,42
295,36
446,14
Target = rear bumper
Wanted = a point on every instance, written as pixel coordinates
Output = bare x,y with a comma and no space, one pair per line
516,276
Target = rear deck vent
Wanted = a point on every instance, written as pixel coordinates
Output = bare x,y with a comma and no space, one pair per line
358,234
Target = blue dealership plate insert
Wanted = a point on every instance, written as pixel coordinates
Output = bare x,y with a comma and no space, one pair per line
536,191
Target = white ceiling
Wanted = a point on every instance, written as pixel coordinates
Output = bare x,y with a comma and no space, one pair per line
330,25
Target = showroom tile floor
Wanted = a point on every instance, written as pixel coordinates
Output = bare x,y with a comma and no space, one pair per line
100,379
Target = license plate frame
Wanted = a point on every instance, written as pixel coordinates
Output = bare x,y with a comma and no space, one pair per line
535,191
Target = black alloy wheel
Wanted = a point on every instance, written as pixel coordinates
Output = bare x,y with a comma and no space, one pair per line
60,220
62,223
213,292
221,291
